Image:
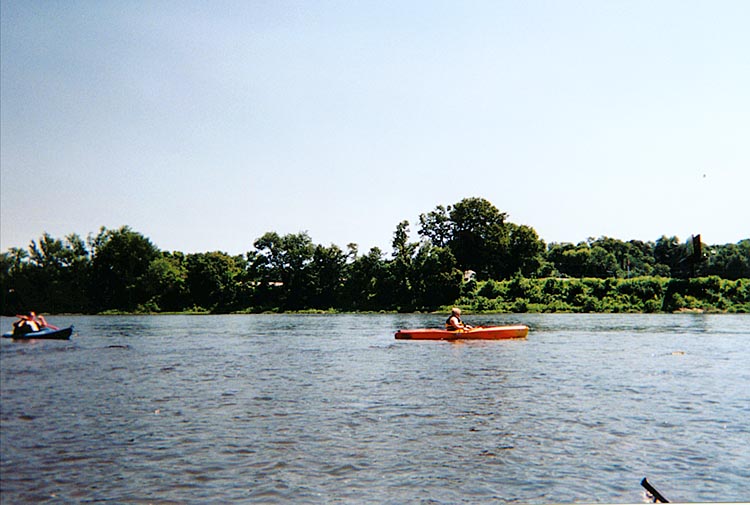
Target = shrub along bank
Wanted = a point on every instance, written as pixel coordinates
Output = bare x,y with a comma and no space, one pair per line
640,294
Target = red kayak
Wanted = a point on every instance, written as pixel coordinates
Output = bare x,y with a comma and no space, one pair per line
488,333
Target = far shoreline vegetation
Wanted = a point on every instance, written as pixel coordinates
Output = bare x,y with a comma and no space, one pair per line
468,255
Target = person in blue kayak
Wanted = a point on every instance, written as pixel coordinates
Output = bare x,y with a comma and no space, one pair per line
26,324
454,322
30,323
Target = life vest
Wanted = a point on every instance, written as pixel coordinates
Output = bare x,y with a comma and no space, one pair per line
449,326
25,324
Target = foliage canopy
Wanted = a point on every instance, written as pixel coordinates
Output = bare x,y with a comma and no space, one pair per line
468,253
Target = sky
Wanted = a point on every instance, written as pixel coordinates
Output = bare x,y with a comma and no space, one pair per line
204,125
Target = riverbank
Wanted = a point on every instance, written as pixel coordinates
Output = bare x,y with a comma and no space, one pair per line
646,295
593,295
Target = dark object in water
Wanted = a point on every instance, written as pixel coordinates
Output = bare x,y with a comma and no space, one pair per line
658,498
43,334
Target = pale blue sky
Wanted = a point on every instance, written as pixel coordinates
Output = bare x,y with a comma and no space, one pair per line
204,125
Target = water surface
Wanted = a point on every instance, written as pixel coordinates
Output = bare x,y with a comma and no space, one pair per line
332,409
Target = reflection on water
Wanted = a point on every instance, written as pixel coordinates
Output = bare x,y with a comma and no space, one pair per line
317,409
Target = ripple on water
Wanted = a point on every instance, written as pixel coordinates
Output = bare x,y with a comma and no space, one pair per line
282,409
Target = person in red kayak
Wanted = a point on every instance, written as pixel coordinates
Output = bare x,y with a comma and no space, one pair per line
454,322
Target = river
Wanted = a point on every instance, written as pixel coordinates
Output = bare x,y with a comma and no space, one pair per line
332,409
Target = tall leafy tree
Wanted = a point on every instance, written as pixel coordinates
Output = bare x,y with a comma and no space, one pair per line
667,252
730,261
478,238
212,280
525,253
13,284
284,260
555,256
640,259
400,267
600,263
327,271
366,283
435,279
58,273
582,260
436,226
481,239
121,261
166,280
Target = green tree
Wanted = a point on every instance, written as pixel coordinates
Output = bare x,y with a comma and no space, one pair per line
166,280
569,260
667,252
525,253
52,276
212,280
121,260
400,268
366,284
479,240
640,259
283,261
730,261
436,226
619,250
583,260
13,264
327,271
435,280
600,263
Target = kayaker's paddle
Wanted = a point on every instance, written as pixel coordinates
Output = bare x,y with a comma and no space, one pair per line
658,498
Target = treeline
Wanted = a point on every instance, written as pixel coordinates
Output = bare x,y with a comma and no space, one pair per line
468,253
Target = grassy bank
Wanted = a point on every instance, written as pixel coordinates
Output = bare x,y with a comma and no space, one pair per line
588,295
638,295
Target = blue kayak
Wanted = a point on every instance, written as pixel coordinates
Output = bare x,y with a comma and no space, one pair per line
44,333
